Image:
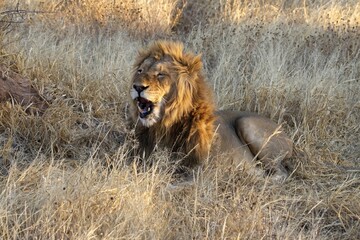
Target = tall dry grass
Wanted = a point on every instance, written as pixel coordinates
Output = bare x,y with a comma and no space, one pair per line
63,174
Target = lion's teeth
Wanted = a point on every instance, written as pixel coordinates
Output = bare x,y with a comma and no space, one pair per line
148,109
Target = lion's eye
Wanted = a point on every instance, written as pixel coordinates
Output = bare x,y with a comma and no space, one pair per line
160,75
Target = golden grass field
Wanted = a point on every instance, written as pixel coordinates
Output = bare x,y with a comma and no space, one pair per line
63,174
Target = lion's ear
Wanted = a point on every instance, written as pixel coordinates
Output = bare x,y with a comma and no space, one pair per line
141,57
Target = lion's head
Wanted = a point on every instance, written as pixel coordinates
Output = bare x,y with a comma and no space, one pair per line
167,84
170,100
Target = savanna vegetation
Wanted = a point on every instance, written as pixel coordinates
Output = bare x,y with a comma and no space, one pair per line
63,171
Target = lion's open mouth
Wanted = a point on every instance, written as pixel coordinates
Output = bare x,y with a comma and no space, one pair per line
145,107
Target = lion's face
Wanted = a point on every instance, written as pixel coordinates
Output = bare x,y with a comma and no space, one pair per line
151,89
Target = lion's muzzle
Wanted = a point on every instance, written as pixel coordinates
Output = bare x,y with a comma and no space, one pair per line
145,106
148,99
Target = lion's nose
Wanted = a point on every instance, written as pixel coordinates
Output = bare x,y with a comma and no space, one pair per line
139,88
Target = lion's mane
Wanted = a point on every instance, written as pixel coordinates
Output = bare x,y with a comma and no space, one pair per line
187,122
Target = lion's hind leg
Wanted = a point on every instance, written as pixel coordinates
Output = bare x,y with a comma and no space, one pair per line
267,142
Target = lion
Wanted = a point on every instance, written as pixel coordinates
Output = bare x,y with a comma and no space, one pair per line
173,107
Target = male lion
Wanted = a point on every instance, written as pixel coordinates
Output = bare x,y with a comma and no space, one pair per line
173,107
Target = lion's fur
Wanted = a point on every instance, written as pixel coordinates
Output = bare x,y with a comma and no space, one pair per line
184,118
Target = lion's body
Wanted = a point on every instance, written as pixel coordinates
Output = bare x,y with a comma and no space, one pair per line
252,137
173,107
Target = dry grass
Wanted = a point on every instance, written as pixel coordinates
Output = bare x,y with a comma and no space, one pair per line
297,62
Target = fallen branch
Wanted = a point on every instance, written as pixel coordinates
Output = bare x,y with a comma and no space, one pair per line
16,16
